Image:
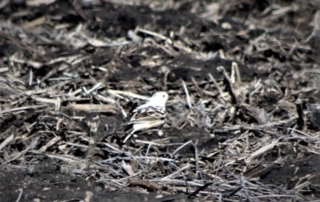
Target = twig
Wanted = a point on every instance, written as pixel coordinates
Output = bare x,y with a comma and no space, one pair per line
193,194
179,148
22,108
178,182
93,108
127,93
49,144
187,94
228,84
20,194
6,141
176,172
196,156
263,150
155,34
216,85
244,187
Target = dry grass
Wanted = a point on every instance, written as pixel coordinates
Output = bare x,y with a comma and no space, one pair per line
227,128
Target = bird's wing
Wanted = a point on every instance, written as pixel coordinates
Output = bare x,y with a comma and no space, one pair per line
146,105
144,119
151,103
148,114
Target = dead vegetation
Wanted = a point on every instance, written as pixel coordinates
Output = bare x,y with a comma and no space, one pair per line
243,82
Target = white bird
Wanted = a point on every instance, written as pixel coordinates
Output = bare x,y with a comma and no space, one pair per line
152,114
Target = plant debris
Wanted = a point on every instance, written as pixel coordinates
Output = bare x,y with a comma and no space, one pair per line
243,108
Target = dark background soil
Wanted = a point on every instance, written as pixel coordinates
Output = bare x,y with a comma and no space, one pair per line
70,46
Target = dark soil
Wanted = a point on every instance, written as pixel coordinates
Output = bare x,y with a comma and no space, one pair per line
243,112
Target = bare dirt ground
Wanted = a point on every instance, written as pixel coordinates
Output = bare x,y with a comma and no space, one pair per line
243,110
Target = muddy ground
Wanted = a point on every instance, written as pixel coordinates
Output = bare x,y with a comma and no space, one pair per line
243,110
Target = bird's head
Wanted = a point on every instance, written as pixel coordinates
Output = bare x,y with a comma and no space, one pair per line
159,99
